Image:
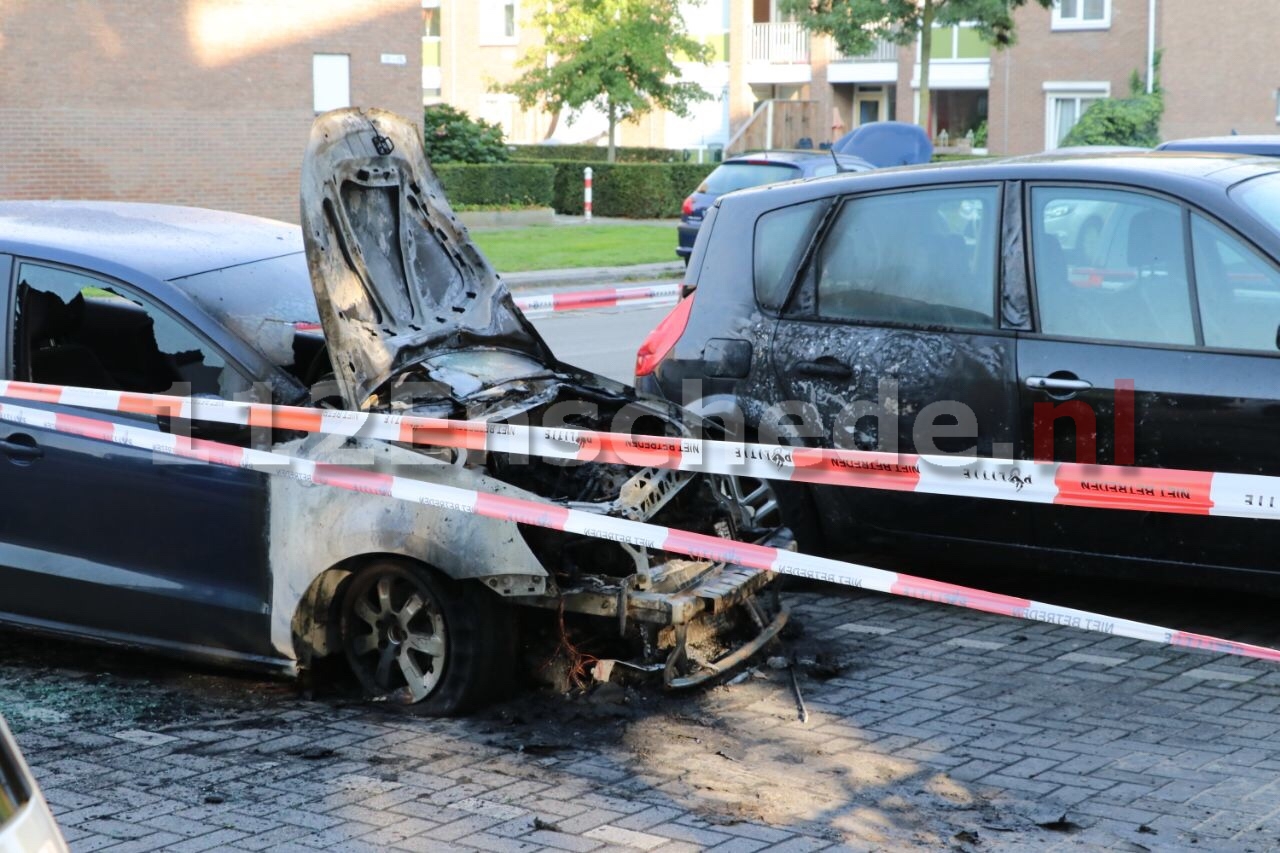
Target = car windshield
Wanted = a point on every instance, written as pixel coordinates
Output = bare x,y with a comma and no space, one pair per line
736,176
263,302
1261,197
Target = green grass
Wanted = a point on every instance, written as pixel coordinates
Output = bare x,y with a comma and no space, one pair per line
549,247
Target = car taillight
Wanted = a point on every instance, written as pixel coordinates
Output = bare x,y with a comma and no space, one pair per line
663,337
687,207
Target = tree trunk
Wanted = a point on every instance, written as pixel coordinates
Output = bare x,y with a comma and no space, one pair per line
926,48
613,127
555,123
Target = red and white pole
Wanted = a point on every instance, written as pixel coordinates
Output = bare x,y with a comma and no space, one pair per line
586,193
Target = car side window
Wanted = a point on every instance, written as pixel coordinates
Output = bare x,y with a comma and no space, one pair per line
1110,265
71,328
781,236
1238,291
921,258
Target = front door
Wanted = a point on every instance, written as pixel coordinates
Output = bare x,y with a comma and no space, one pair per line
868,107
893,343
104,539
1154,351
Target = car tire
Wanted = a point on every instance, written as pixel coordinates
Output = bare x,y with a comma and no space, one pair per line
420,640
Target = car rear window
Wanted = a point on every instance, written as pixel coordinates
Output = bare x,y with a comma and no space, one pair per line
737,176
1261,197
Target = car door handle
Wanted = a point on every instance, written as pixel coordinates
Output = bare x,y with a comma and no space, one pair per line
20,448
1055,383
827,369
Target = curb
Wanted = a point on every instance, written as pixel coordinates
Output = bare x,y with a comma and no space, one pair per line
592,275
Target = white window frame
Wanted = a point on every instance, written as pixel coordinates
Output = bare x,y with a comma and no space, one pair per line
330,81
492,18
1056,90
1078,21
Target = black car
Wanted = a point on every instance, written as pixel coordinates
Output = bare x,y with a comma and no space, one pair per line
1003,310
381,303
1262,145
753,170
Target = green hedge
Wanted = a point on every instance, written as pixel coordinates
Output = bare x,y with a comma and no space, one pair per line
633,190
498,183
595,153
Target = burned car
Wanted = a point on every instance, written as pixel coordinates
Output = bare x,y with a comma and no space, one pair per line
380,303
1120,309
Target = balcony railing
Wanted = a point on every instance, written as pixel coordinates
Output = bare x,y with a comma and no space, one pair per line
783,43
884,51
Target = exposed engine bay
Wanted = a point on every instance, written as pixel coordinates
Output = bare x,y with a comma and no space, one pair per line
416,321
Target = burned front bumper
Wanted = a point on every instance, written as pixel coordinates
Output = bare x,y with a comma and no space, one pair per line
691,620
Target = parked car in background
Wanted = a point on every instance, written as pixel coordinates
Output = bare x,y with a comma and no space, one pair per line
887,143
26,824
753,170
1003,287
1265,145
380,303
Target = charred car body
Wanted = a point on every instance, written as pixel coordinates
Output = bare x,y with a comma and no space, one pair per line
242,567
1010,305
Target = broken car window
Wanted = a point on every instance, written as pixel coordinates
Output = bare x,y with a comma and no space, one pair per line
923,258
76,329
1110,265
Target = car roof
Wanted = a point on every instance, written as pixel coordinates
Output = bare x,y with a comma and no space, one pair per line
1256,143
1167,170
162,241
784,155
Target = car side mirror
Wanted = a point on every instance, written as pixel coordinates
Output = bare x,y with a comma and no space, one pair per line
686,289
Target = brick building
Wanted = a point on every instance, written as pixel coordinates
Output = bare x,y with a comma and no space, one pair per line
1216,73
201,102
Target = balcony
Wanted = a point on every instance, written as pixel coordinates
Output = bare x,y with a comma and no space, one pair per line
779,44
878,66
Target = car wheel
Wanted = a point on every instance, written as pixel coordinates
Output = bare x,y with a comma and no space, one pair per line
416,638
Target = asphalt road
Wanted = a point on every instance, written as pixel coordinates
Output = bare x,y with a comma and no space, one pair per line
604,342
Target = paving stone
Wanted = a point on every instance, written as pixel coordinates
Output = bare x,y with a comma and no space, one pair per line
1019,716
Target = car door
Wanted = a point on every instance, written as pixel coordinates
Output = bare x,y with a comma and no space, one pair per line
1154,345
893,342
107,540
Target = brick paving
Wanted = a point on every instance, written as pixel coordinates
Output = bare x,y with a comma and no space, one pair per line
929,728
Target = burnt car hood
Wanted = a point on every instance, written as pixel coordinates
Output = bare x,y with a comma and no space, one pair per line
395,275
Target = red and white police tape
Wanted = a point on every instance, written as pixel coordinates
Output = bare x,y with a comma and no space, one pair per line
643,534
1164,490
644,296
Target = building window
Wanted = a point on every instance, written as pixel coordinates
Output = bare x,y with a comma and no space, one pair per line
1082,14
1064,103
498,22
431,19
330,81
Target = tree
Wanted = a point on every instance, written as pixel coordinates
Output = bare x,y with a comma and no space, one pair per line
1134,120
856,24
450,135
615,55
